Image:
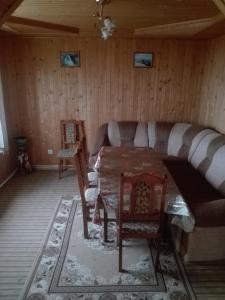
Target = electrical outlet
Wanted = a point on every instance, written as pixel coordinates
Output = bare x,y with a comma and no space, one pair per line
50,151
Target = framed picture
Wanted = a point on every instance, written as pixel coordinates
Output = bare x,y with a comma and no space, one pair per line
143,59
70,59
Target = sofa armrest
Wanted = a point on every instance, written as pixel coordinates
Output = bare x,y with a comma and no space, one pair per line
210,213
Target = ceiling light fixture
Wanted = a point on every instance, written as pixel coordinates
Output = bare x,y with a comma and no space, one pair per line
107,25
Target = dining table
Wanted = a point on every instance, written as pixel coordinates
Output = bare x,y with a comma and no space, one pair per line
114,161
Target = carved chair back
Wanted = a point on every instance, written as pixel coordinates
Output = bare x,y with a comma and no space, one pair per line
71,133
142,197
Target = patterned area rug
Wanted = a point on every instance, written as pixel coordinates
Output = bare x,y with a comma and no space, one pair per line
71,268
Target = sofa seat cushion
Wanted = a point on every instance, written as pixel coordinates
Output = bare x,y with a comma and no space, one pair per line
209,214
193,186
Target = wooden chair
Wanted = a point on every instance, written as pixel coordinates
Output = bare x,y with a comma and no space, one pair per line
71,139
84,141
91,175
141,210
89,194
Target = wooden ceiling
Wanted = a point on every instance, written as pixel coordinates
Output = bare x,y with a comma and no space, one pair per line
153,18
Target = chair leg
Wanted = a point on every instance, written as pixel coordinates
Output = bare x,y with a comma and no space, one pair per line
60,168
120,255
157,254
85,222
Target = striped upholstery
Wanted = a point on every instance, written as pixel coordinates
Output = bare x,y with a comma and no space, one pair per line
215,172
141,135
187,140
176,138
128,134
114,134
215,145
203,148
151,134
201,151
158,134
172,139
196,141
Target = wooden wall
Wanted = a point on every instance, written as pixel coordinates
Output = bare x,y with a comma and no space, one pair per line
185,84
8,160
212,92
105,87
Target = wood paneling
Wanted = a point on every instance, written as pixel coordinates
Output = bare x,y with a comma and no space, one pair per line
212,92
184,18
105,87
127,13
8,160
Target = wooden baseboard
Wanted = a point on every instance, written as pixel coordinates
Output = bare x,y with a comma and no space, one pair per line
50,167
8,178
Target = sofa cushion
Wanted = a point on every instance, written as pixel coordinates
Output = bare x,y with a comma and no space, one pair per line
211,151
122,133
127,132
196,141
158,135
176,138
188,138
114,134
101,139
215,173
209,214
200,152
151,134
141,135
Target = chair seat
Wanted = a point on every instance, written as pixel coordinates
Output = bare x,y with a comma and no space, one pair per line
66,153
91,195
93,178
143,227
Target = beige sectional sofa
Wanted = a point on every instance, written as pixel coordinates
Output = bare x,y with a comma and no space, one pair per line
195,157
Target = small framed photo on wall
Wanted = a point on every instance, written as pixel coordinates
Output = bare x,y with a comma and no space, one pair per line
70,59
143,60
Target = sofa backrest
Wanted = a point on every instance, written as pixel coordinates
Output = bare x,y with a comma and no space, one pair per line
158,135
181,138
200,153
172,139
216,170
203,148
209,157
128,133
196,141
167,138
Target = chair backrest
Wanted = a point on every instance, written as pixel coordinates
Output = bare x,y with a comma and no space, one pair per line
71,132
84,141
142,197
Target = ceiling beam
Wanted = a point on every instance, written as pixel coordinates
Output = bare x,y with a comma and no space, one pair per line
7,28
40,24
220,5
214,20
9,11
191,24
